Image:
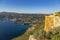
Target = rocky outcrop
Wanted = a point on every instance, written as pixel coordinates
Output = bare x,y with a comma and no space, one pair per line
31,37
51,22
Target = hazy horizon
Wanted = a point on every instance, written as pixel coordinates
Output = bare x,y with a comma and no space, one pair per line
30,6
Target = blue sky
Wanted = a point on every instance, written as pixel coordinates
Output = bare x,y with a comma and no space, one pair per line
30,6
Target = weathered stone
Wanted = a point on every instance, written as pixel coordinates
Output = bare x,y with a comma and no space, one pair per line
51,22
32,37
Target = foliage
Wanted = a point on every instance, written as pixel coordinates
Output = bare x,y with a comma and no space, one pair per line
56,37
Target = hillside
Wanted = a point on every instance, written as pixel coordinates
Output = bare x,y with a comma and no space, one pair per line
37,30
24,17
53,23
36,20
38,23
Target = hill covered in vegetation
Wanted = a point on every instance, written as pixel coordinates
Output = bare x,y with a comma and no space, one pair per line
37,30
37,21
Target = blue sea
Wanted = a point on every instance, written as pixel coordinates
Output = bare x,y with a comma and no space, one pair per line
10,29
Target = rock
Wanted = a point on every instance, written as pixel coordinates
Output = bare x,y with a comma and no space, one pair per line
31,37
51,21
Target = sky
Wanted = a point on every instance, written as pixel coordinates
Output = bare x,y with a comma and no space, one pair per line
30,6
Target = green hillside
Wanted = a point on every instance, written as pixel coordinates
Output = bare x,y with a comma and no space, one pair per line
37,22
37,30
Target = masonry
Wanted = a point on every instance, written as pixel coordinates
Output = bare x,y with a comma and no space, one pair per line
51,21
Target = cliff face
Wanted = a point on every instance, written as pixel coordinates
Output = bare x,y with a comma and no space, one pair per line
56,21
48,23
51,22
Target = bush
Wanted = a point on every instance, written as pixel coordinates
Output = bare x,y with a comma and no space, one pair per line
56,37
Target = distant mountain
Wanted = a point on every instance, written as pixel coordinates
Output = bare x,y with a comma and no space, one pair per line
20,16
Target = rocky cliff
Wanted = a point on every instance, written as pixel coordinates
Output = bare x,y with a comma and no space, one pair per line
51,21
